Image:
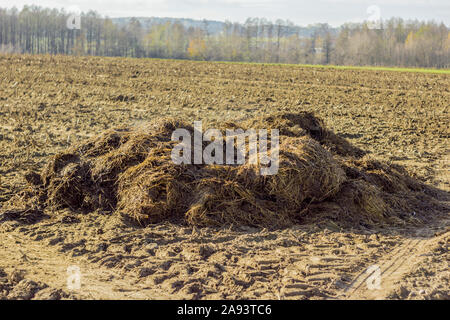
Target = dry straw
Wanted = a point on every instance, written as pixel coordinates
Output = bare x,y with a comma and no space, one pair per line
321,177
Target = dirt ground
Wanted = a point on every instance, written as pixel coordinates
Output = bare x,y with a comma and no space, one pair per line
50,103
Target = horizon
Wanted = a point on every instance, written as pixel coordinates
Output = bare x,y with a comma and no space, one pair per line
333,12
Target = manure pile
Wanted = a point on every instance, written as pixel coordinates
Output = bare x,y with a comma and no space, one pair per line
321,177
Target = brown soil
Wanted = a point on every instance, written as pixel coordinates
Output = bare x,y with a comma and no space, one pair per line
49,104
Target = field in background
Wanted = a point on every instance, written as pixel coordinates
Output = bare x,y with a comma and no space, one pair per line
380,68
49,103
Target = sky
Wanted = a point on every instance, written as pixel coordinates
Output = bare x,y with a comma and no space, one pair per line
301,12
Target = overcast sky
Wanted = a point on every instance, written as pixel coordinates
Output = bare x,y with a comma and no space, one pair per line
301,12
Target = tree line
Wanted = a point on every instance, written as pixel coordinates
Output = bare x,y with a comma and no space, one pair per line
394,42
